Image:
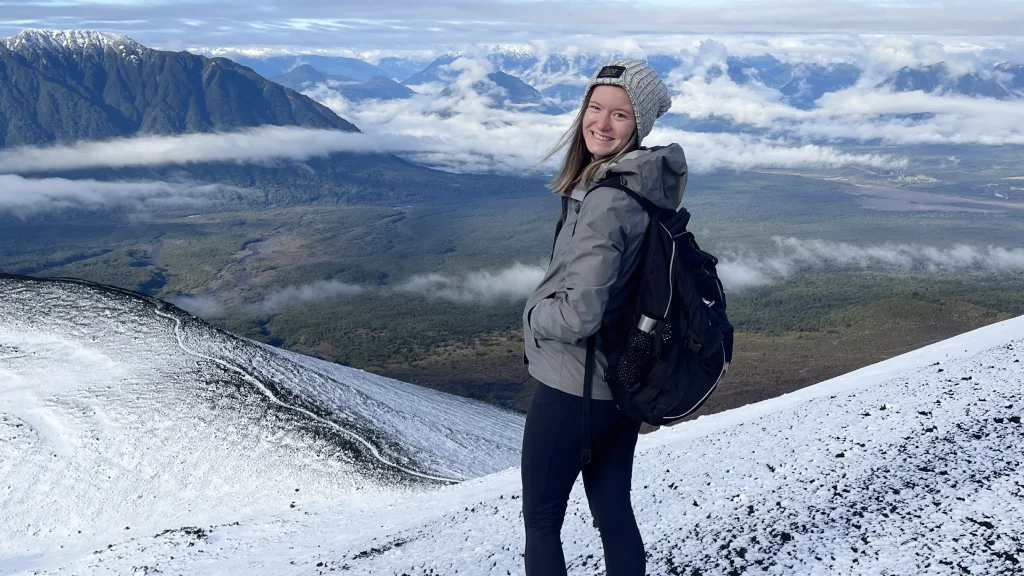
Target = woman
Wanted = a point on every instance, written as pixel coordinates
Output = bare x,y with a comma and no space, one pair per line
596,250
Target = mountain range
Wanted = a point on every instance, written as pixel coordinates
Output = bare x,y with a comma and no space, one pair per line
562,77
69,86
138,440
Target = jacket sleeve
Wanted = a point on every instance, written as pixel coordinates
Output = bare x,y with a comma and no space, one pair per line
607,220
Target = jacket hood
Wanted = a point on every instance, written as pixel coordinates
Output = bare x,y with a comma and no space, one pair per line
658,174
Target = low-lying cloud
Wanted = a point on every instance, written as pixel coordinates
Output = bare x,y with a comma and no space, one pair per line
510,284
26,196
199,305
304,294
469,136
479,287
261,145
863,113
473,139
740,269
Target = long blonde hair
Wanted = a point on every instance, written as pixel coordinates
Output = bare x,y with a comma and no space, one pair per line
579,166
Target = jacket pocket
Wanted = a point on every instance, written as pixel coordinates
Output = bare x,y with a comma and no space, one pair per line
528,321
529,325
542,354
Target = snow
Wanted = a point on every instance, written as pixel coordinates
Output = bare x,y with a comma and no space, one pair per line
909,466
513,51
120,415
76,41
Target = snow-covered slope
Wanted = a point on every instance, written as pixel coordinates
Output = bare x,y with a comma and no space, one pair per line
121,415
910,466
74,42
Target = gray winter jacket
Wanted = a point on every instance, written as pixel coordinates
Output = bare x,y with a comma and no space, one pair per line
596,251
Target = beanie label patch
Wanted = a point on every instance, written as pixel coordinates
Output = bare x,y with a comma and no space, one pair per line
611,72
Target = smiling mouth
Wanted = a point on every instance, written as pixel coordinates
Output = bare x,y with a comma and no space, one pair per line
599,137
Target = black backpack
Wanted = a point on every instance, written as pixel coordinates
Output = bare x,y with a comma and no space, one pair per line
669,350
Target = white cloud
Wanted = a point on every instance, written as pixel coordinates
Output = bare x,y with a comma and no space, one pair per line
513,283
709,152
261,145
742,269
739,270
202,306
458,132
861,113
466,135
304,294
25,196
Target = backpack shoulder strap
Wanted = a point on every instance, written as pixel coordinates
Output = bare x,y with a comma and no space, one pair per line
619,183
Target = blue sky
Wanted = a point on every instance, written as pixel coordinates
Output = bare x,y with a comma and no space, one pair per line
417,24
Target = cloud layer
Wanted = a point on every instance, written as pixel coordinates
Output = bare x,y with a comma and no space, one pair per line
861,114
254,146
290,296
474,138
26,196
484,286
740,269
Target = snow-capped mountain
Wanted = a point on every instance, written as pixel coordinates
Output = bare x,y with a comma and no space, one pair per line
72,42
909,466
122,415
1014,75
512,59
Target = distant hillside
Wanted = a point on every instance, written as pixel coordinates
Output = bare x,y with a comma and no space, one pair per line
277,65
434,72
507,91
1000,83
305,77
71,85
400,68
504,89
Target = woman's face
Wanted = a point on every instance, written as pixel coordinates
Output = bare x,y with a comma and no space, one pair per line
609,121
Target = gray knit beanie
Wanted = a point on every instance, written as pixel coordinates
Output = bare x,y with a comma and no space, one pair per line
646,91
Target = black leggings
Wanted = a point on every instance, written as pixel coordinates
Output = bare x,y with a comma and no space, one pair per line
551,462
